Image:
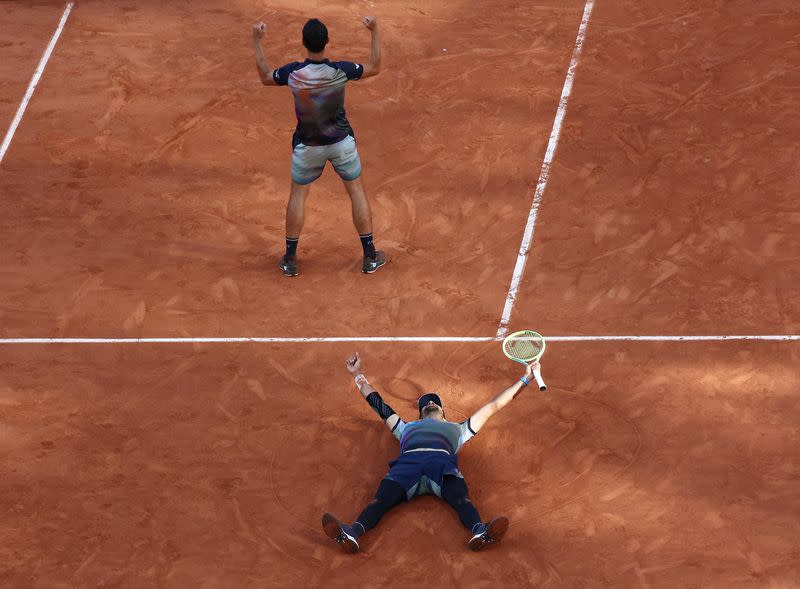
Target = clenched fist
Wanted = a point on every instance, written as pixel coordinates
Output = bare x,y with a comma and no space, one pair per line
259,30
353,364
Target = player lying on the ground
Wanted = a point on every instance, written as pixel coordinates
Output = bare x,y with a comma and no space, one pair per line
428,463
323,133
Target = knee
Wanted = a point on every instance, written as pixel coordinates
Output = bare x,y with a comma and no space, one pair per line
299,191
389,493
455,491
355,188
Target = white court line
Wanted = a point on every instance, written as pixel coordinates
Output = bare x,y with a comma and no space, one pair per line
380,339
34,82
669,338
238,340
518,271
544,174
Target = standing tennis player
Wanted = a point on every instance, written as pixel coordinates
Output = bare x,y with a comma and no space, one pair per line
427,464
323,133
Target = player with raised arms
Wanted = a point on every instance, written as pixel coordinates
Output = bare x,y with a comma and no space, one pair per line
323,133
427,464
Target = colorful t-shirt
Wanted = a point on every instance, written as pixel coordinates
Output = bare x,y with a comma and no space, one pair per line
318,90
432,434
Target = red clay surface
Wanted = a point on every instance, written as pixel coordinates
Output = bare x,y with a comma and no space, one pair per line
26,31
144,195
147,188
655,466
673,202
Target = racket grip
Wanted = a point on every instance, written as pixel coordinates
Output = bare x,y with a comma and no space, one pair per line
537,374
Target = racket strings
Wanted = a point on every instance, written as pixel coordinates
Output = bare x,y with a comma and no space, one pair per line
524,347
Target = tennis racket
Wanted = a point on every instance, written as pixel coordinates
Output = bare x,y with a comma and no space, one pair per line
526,347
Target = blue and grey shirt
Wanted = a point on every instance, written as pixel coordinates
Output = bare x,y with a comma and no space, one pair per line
318,90
432,434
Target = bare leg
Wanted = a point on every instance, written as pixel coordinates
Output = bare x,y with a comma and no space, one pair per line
296,210
362,215
362,219
295,216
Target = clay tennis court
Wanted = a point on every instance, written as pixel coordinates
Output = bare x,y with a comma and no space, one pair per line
142,196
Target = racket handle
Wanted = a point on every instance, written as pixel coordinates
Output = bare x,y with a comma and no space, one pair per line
537,374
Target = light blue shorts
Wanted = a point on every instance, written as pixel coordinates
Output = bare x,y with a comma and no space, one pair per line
308,161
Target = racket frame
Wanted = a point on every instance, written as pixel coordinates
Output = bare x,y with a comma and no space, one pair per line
537,373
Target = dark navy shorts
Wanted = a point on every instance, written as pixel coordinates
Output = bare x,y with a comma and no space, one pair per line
422,473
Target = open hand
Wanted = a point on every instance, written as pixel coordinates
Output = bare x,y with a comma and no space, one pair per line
353,364
370,22
259,30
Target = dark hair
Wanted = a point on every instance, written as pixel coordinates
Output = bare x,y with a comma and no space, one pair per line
315,35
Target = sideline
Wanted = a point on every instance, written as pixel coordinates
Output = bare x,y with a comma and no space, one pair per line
544,174
34,82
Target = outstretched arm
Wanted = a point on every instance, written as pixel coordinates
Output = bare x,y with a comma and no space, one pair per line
483,414
264,71
386,413
374,66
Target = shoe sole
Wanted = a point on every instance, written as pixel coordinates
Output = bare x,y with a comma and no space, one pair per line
333,529
496,529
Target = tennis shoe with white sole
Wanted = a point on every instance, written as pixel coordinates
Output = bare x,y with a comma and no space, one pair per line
288,265
490,533
339,533
372,263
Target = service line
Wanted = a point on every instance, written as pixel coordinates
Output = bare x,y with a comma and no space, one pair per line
382,339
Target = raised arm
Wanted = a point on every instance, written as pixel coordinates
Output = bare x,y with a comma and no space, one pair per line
483,414
374,66
386,413
264,71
